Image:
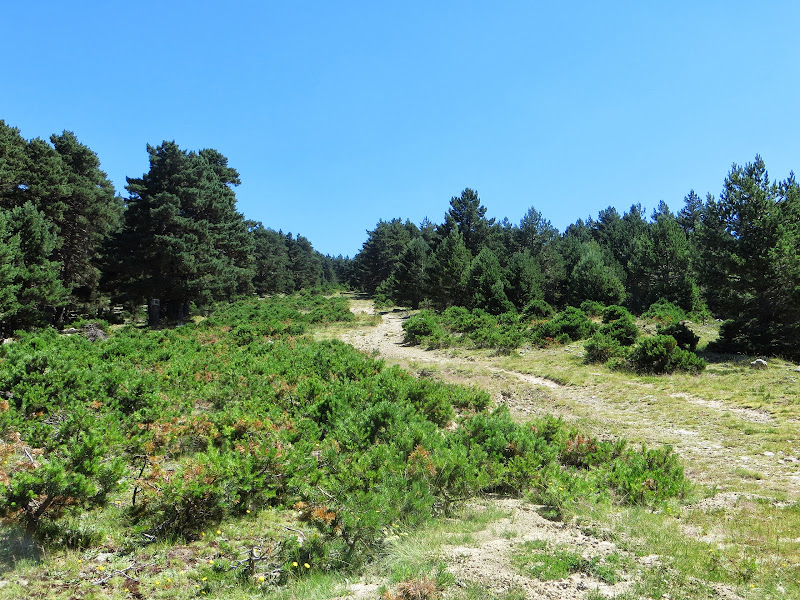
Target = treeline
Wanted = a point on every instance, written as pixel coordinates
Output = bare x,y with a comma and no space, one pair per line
69,242
736,257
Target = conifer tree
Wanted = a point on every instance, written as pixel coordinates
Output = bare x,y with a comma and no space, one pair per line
749,251
447,269
525,279
407,283
535,232
91,213
183,240
305,264
34,290
662,265
594,278
485,286
9,279
468,216
379,255
270,261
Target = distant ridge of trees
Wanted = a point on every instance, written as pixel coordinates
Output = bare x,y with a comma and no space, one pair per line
70,243
736,257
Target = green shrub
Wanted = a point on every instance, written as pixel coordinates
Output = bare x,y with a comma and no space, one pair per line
623,330
73,474
593,308
653,354
571,324
685,337
503,339
664,312
648,476
615,312
238,413
421,326
459,319
538,309
689,362
600,348
660,354
509,455
463,397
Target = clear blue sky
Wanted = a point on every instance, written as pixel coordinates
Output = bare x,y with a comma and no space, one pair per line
337,114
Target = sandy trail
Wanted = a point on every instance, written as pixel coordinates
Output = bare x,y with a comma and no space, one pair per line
486,562
642,419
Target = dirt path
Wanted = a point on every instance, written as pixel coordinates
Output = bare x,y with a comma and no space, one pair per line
696,432
386,340
693,432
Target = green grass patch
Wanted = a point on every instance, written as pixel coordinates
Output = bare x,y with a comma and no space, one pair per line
540,560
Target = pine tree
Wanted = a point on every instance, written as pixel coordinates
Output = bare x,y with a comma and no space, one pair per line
183,240
468,216
63,181
10,283
92,212
747,246
593,278
12,165
407,282
525,279
270,261
535,232
305,264
661,266
379,255
34,289
447,270
485,287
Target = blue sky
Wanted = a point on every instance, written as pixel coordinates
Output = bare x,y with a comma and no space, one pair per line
338,114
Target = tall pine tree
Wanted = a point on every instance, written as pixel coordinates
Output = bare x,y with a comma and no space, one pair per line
183,240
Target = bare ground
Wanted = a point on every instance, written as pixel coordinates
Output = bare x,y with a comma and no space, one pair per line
694,432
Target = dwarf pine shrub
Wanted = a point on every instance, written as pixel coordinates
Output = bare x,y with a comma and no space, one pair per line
207,421
660,354
571,324
685,337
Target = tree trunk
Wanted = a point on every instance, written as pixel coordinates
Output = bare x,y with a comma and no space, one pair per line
153,312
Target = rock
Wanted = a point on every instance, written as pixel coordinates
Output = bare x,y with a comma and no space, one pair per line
94,333
758,363
768,453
